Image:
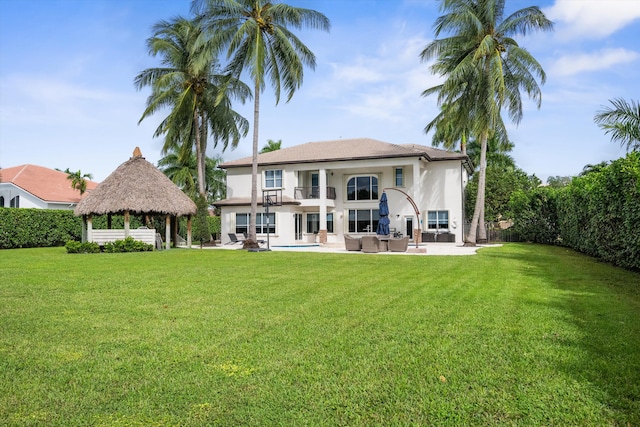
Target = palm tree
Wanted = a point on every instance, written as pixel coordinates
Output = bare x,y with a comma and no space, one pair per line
78,180
256,38
485,69
184,173
622,122
271,146
199,98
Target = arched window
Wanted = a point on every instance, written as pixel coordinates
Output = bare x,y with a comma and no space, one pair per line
15,202
362,188
1,201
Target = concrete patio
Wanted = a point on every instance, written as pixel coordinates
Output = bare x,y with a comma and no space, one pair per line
438,249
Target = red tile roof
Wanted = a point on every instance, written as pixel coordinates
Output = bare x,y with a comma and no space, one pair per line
46,184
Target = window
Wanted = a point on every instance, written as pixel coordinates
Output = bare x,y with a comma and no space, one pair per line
363,220
362,188
273,178
313,222
1,202
399,177
242,223
15,202
438,220
330,223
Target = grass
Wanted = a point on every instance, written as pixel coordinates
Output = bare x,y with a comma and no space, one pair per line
517,335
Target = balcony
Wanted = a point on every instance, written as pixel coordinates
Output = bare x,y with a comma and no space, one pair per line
303,193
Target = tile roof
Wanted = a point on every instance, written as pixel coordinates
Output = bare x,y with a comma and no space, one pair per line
345,150
46,184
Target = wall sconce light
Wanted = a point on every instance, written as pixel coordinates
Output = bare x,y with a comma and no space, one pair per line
397,215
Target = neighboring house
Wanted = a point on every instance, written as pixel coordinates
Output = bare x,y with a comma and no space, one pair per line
31,186
332,188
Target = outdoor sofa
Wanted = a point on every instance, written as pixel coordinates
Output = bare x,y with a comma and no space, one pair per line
399,245
352,243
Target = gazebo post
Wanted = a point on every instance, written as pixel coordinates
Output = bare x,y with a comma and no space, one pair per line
83,237
126,224
167,231
188,231
174,229
89,228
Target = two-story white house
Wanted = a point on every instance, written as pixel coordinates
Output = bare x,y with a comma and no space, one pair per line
331,188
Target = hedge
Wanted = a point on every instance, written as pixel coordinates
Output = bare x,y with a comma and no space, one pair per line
28,228
597,214
600,213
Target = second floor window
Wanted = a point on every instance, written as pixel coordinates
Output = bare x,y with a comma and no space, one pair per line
399,177
273,178
362,188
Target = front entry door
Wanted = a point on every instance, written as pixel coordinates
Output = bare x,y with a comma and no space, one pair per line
298,226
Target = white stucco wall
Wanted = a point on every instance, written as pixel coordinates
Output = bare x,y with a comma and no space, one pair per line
27,200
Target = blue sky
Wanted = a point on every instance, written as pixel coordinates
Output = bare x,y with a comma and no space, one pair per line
67,98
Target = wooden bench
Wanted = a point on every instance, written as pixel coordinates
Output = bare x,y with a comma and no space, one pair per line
103,236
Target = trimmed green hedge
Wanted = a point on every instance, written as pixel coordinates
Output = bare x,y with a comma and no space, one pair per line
600,213
29,228
597,214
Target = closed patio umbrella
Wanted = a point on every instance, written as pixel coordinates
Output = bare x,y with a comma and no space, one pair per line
383,223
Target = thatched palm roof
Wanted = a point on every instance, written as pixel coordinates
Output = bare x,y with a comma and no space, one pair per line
136,186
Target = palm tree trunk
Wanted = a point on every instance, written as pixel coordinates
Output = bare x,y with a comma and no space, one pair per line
254,163
199,153
479,208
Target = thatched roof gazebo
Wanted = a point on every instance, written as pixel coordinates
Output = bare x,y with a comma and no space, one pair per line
138,187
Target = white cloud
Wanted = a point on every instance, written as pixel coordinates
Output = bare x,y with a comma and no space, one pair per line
592,18
601,60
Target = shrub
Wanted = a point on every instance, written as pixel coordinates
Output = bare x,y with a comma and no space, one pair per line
75,247
129,244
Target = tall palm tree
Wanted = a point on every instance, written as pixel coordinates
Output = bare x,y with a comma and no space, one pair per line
485,69
271,146
622,122
78,180
198,96
256,38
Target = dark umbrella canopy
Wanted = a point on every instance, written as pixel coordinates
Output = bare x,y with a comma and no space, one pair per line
383,223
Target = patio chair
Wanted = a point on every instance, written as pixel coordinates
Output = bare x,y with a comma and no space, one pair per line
370,244
352,243
233,239
399,245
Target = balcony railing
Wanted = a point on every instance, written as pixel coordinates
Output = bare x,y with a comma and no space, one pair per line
313,193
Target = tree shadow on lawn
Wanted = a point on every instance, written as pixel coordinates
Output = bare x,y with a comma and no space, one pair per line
593,336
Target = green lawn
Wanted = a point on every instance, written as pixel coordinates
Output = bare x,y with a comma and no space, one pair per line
516,335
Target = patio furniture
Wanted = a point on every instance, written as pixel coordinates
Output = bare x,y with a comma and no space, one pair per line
399,245
352,243
370,244
233,239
